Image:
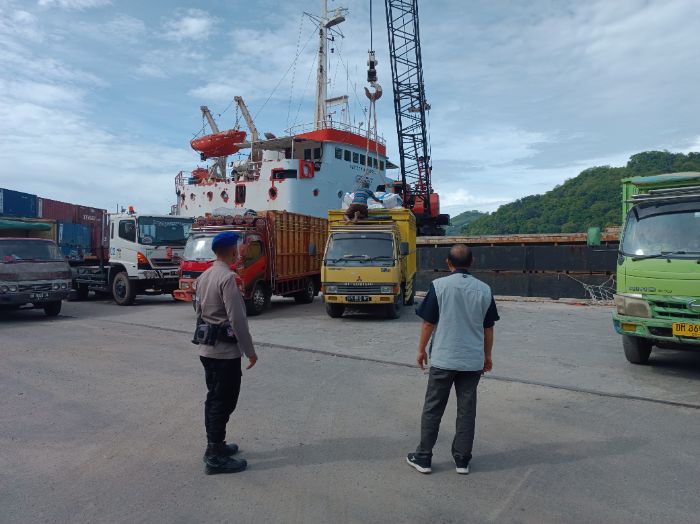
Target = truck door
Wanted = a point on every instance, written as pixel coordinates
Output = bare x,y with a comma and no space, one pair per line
123,248
253,261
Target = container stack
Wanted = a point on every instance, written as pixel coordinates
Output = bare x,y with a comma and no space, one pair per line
79,231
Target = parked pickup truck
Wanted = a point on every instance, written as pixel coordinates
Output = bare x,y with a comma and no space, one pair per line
33,275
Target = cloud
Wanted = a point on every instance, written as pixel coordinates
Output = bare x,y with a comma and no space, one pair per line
190,24
77,5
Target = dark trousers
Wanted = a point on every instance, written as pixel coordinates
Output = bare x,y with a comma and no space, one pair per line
440,384
223,386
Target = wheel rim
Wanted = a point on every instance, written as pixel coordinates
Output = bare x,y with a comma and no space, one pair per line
310,289
120,289
258,298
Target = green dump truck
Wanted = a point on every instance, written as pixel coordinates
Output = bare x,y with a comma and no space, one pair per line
658,268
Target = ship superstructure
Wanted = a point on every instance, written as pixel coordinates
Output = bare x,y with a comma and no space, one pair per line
307,171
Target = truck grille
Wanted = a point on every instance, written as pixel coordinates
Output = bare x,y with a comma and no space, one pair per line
163,263
35,287
359,289
672,309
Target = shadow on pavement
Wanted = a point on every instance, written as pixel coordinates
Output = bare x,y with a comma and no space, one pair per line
681,364
554,453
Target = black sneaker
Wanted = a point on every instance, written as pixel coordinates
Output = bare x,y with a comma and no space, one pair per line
421,464
215,464
462,467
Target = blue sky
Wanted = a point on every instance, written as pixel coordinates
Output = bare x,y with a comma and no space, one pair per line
99,98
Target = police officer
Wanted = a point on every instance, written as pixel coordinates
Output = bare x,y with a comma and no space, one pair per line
223,337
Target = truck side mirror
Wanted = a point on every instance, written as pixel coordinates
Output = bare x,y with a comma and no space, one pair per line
312,250
403,249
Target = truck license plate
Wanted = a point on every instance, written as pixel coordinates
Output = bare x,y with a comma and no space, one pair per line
362,298
39,295
683,329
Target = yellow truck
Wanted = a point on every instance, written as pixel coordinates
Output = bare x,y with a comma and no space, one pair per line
371,262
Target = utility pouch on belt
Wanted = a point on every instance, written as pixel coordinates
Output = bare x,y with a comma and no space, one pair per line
209,334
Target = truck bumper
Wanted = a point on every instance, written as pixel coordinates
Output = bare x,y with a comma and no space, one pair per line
360,300
656,329
37,299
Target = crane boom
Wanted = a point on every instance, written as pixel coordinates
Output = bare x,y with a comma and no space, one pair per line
410,107
248,119
207,114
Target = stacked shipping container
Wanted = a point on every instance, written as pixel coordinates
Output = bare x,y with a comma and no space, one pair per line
81,232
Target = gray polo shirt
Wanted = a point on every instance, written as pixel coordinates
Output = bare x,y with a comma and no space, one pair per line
460,306
219,302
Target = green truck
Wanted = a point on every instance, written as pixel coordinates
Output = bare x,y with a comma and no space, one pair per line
658,268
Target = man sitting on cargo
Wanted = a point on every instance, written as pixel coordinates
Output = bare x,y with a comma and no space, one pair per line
359,209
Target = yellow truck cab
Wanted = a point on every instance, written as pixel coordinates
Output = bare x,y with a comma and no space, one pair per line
371,262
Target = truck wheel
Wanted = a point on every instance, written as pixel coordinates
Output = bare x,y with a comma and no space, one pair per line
637,350
335,310
394,310
306,296
258,302
52,309
123,290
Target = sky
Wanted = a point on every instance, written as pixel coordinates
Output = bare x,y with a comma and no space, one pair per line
100,98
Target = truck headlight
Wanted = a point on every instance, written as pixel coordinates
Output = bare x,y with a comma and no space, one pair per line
330,290
632,306
64,286
13,289
56,286
4,289
184,285
387,290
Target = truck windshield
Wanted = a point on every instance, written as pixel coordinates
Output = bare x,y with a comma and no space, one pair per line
164,231
360,249
199,248
654,232
28,250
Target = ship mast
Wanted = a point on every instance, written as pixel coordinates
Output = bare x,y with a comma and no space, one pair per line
325,22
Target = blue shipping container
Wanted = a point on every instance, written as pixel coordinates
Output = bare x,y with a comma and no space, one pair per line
17,204
74,240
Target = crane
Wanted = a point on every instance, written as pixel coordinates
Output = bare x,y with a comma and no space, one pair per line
255,152
218,170
410,108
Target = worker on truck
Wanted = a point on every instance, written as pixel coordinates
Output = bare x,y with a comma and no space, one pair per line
359,209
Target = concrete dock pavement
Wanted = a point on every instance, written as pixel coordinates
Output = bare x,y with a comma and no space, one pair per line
101,421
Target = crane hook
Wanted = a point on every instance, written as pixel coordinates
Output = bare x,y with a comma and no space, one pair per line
376,95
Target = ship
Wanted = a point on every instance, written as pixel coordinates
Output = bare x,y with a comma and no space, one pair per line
309,170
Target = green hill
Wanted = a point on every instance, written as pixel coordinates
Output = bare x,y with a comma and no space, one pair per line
590,199
458,222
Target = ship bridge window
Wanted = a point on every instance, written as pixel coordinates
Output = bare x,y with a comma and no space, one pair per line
347,155
381,165
355,158
317,153
307,154
240,194
338,153
282,174
362,160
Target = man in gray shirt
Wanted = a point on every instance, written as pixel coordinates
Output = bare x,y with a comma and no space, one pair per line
220,304
459,313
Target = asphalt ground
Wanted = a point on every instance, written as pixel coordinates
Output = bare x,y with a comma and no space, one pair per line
101,421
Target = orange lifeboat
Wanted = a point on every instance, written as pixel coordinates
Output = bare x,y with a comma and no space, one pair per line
218,144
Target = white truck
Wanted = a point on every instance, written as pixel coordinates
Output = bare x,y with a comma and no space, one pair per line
144,257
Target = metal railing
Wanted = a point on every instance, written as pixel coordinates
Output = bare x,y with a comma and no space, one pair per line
340,126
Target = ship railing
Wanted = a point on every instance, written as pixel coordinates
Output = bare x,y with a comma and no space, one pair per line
340,126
